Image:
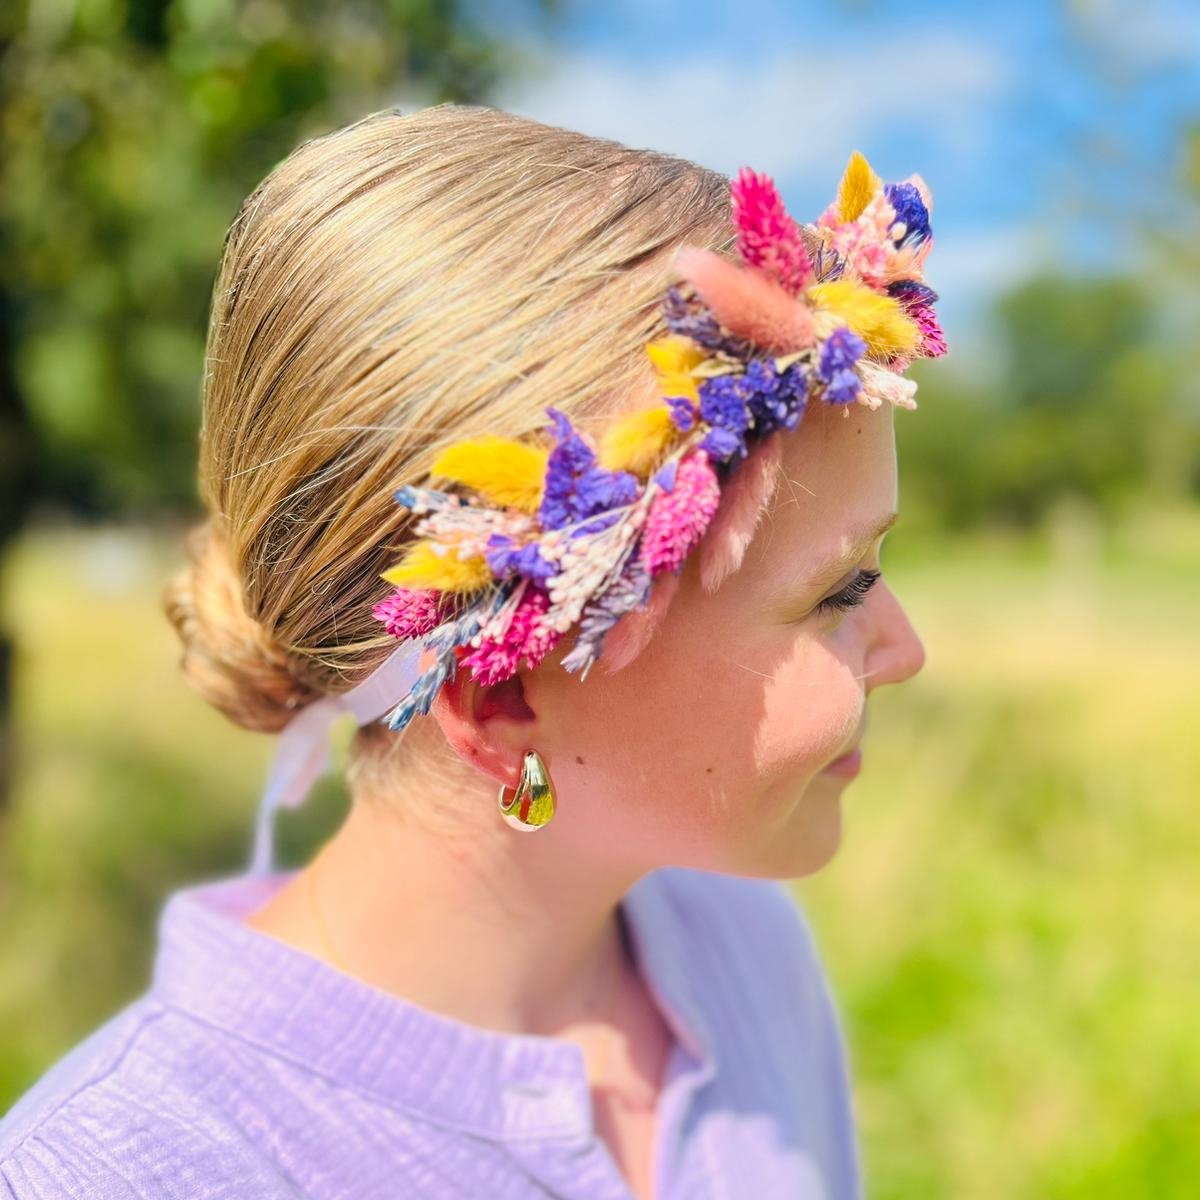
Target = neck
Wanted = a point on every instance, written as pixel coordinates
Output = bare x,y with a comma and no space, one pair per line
491,926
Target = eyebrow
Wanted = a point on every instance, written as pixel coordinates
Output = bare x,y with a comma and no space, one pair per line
860,539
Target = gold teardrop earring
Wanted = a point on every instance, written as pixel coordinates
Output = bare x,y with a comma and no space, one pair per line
532,804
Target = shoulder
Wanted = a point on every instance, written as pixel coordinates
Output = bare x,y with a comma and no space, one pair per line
113,1118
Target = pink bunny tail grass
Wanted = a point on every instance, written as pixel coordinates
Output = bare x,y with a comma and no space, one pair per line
743,503
747,302
768,238
632,633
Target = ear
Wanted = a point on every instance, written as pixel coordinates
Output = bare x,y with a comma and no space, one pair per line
486,724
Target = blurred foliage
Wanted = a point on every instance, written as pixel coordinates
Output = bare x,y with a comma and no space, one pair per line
130,131
1091,405
1009,924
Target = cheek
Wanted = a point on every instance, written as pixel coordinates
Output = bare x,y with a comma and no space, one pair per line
706,735
812,706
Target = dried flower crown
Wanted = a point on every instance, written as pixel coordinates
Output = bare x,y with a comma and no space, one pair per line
556,533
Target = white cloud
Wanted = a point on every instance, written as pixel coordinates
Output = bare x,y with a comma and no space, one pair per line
787,115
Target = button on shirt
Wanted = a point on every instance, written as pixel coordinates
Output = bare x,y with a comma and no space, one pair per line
252,1069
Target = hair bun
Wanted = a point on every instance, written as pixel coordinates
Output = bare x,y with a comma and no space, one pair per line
227,655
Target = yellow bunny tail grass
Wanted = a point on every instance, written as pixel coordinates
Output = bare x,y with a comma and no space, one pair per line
509,473
673,357
636,441
859,184
423,567
879,320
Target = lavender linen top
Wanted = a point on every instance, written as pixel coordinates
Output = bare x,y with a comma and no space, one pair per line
250,1069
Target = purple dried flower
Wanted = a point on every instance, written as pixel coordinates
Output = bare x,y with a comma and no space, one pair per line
683,412
505,556
910,208
723,405
911,292
687,314
575,487
776,398
628,592
665,475
841,350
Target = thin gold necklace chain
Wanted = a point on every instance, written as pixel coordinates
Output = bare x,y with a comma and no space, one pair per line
326,945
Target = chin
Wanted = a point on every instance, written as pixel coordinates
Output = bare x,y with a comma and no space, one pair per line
807,844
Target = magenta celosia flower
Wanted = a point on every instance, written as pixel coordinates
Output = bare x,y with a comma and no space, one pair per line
409,613
676,520
495,659
768,237
934,343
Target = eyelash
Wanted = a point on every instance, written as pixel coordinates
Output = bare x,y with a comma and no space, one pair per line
852,594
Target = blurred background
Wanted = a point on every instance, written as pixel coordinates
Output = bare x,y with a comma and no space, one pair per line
1010,925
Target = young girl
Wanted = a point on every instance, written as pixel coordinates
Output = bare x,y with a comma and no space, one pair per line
565,467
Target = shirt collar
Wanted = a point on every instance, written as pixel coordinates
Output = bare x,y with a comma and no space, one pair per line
214,967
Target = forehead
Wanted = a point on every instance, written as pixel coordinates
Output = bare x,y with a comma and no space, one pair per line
837,484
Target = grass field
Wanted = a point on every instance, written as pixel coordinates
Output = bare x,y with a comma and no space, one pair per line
1010,924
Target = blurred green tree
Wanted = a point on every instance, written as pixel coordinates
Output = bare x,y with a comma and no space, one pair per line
130,130
1089,404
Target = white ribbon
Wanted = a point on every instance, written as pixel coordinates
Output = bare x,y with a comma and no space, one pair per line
302,754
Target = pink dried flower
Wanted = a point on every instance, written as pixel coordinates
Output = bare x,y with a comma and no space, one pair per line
768,238
677,519
934,344
527,636
864,244
410,613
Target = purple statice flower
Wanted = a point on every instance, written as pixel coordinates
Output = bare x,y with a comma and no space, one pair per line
777,399
687,314
683,412
505,556
630,590
596,524
723,404
410,612
575,488
841,350
665,475
910,209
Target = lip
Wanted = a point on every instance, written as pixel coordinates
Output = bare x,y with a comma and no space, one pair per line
848,765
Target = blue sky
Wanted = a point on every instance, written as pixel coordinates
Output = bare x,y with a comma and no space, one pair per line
1047,132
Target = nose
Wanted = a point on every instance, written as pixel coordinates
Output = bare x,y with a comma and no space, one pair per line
897,653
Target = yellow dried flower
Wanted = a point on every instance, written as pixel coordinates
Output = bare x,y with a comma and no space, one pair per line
509,473
424,567
878,319
674,358
859,184
636,441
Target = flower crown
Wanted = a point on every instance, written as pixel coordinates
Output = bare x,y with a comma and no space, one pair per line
557,532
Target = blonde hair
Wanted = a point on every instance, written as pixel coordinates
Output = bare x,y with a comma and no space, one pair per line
390,287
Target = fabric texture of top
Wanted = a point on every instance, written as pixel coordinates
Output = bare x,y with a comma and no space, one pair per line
250,1069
